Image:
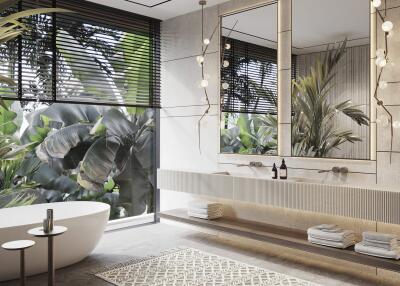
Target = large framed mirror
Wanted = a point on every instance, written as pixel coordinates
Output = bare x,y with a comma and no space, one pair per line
249,76
331,86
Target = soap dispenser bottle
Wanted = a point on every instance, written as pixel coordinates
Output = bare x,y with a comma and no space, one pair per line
274,172
283,171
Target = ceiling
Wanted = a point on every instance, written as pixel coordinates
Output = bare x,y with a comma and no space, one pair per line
159,9
315,24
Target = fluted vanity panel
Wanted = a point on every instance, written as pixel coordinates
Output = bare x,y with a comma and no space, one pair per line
348,201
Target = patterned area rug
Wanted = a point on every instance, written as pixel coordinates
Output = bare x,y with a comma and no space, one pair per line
190,266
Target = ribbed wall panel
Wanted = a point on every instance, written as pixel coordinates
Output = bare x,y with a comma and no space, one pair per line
347,201
350,83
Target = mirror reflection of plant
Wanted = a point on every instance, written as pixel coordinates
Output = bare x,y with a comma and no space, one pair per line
251,134
313,130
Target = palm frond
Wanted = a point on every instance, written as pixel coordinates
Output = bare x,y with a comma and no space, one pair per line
313,132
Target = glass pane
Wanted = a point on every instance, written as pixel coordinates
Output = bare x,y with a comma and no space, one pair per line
66,152
331,92
249,75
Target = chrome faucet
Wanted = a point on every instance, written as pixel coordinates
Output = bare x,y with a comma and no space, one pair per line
252,164
336,170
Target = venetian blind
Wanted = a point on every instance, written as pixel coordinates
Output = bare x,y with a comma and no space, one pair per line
252,76
96,55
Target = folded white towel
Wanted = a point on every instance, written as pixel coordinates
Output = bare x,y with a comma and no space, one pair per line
203,216
345,240
376,236
330,243
332,236
326,226
385,246
378,252
204,205
205,211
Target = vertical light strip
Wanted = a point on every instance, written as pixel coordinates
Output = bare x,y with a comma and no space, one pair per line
284,76
373,127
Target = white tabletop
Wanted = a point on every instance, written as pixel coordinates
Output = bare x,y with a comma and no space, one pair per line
39,232
18,244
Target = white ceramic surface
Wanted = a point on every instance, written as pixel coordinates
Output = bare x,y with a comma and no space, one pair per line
85,221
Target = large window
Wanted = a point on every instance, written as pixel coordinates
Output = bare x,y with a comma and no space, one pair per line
101,148
96,55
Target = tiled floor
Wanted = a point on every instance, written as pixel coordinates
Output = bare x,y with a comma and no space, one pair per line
123,245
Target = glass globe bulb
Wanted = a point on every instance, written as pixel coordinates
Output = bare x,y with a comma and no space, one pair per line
383,120
376,3
387,26
380,62
206,41
380,53
225,64
383,84
227,46
200,59
396,124
225,85
204,83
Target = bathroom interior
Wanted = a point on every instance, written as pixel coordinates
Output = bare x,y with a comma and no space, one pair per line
211,142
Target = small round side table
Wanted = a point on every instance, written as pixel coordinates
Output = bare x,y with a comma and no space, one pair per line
20,245
38,232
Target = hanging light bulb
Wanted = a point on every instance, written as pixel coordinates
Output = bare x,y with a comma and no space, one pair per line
396,124
376,3
380,53
383,84
200,59
387,26
204,83
227,46
225,64
206,41
225,85
381,62
384,120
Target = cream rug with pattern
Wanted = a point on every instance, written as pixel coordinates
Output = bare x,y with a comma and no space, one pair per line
184,267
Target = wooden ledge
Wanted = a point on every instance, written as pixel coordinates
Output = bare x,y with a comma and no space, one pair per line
282,236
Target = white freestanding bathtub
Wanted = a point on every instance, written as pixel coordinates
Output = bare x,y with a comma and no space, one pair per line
85,221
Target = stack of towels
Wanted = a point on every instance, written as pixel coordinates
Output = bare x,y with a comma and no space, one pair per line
379,244
331,235
205,210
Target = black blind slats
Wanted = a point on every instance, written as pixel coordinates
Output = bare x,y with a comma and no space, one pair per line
252,77
120,48
96,55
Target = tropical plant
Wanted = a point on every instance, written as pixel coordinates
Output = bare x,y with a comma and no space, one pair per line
15,189
11,27
91,152
250,134
313,130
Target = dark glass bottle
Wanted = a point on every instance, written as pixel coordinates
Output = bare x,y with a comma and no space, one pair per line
274,172
283,171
